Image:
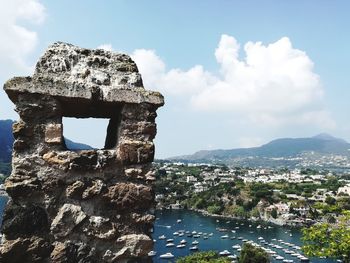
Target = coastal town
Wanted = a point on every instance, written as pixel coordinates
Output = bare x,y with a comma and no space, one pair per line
281,196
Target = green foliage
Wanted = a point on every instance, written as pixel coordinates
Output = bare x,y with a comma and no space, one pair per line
329,240
274,213
330,200
203,257
214,209
251,254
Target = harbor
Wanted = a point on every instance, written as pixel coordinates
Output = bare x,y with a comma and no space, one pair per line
178,233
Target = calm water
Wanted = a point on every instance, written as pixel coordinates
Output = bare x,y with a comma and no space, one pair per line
166,224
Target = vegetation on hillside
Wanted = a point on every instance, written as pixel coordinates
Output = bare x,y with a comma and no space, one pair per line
252,254
329,239
203,257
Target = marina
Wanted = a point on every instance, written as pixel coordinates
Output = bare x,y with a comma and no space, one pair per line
203,233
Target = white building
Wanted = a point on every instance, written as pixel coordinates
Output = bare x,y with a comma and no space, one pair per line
345,189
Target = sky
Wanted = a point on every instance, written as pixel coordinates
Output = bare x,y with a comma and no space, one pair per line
233,73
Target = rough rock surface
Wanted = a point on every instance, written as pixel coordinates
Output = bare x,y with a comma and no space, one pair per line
87,205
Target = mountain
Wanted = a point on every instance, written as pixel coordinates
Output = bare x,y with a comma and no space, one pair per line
322,144
76,146
6,140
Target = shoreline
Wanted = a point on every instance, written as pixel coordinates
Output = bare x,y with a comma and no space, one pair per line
254,220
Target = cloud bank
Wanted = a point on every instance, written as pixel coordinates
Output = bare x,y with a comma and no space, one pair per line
17,40
272,84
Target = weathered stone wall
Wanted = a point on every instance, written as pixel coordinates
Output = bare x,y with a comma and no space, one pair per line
89,205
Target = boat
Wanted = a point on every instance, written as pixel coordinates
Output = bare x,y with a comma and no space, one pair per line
162,237
224,253
179,221
224,237
152,253
236,246
195,242
232,256
176,233
183,241
260,238
279,258
170,245
170,240
220,229
181,246
194,248
259,226
166,255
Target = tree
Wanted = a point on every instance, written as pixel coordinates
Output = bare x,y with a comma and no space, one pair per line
274,213
214,209
252,254
203,257
329,240
330,200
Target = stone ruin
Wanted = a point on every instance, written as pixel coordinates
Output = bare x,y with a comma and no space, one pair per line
88,205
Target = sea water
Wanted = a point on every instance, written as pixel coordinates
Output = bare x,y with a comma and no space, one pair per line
168,221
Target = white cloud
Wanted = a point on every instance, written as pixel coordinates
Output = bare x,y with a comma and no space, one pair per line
17,40
273,84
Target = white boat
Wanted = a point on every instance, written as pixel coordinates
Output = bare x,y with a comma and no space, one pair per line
181,246
224,253
162,237
260,238
152,253
183,241
232,256
259,226
194,248
178,221
224,237
195,242
236,246
167,255
279,258
170,240
176,233
170,245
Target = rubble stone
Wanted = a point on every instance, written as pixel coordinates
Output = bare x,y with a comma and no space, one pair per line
88,205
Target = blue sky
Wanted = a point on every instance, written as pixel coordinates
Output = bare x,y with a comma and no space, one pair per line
233,73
